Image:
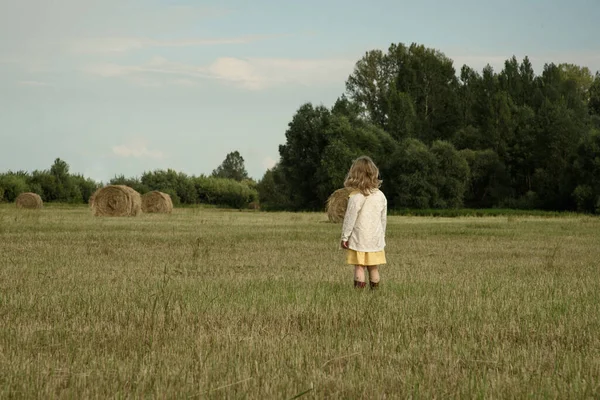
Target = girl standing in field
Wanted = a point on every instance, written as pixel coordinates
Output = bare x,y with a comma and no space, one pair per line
363,230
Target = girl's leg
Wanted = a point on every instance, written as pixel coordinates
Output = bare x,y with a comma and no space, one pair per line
359,276
374,276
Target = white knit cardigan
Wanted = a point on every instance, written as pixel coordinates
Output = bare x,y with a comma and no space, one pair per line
365,222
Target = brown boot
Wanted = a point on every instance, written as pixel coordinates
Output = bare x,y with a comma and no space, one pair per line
359,285
374,285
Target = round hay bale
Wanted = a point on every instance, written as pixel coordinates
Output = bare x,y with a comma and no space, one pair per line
336,205
157,202
30,201
91,199
116,201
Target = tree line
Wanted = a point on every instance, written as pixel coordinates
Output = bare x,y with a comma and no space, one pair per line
228,185
442,139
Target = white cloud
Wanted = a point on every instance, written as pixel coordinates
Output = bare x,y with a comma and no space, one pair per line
137,149
251,73
260,73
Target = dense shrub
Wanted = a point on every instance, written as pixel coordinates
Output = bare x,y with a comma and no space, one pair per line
133,183
228,192
13,185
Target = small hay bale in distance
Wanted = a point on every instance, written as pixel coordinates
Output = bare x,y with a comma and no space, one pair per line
157,202
116,201
337,204
29,201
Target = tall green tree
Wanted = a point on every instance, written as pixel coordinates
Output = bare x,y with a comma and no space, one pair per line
594,96
558,133
86,186
409,182
320,148
579,78
489,182
348,139
66,190
407,80
302,153
493,113
232,168
510,80
45,183
451,177
520,160
347,108
586,169
429,77
402,121
369,84
274,191
468,87
527,83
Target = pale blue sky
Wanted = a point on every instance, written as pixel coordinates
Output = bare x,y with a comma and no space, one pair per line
124,86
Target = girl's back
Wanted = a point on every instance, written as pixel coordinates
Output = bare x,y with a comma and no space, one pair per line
368,230
363,231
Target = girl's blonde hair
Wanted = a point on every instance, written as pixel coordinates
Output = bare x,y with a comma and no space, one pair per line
363,176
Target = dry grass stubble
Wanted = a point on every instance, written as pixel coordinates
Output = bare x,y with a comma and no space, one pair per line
215,304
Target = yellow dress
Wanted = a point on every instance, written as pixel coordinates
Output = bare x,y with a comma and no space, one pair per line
364,258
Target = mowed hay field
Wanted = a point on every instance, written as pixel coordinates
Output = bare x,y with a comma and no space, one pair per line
208,303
